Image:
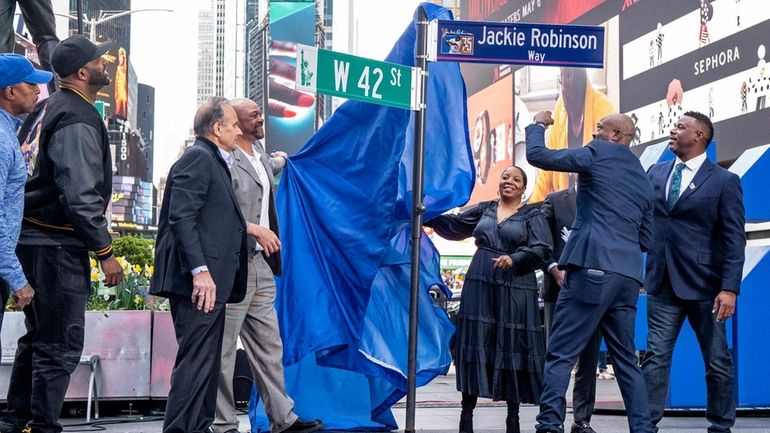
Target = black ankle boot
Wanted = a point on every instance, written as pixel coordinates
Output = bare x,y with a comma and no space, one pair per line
512,423
466,414
466,422
512,420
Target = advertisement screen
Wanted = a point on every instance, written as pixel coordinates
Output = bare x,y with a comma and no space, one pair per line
115,96
662,59
290,113
708,57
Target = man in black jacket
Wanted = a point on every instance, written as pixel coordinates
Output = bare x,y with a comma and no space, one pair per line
69,168
559,209
200,263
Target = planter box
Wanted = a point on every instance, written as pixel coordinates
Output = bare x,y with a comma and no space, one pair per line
122,339
164,348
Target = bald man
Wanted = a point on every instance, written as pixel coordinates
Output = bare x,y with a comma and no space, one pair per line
603,263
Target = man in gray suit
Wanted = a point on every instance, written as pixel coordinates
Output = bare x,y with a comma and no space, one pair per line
254,319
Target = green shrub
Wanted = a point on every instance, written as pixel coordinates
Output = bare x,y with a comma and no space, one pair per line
138,251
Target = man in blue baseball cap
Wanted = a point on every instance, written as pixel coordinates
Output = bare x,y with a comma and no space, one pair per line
18,93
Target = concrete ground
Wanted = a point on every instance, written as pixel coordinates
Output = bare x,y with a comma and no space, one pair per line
438,409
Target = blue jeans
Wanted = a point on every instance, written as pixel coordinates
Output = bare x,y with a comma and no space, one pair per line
602,360
665,316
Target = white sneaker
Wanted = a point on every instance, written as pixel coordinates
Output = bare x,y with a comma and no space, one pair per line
606,375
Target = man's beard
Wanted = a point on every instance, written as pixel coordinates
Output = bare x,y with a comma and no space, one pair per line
98,78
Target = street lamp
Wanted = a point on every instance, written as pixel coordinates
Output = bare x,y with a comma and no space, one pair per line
107,16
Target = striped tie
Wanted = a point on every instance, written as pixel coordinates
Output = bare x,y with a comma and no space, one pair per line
676,185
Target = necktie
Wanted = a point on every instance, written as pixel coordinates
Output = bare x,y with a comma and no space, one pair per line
676,185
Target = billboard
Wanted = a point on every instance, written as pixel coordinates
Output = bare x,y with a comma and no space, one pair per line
708,56
290,114
662,58
132,106
115,96
127,152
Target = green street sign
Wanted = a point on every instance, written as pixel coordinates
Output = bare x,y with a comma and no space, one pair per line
353,77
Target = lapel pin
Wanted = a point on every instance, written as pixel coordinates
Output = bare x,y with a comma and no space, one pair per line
692,186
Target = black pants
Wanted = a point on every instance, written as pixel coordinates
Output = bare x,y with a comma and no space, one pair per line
40,21
5,293
192,399
50,350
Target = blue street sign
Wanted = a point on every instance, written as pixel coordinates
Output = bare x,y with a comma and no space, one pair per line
519,43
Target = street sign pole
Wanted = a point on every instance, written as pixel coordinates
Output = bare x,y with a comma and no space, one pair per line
80,16
418,209
383,83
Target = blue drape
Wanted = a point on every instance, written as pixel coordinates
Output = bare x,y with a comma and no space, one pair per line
344,204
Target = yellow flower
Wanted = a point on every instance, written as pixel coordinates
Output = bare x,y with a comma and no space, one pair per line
123,264
138,299
138,269
95,275
93,263
149,270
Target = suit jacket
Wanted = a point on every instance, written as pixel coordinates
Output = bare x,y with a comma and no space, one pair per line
613,224
200,224
248,190
701,240
559,210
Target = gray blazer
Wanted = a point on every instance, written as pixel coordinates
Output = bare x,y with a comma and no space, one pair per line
248,192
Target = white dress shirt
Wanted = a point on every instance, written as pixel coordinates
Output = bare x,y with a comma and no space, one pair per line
688,173
264,179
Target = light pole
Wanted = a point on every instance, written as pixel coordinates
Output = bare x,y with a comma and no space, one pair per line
104,17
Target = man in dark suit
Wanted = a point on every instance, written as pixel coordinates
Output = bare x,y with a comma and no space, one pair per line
200,263
559,209
254,319
603,261
694,269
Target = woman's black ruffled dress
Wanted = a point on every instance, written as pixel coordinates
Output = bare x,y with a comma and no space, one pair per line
499,344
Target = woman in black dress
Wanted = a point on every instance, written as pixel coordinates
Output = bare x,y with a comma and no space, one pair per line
500,347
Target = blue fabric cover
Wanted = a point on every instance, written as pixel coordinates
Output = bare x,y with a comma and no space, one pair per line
344,206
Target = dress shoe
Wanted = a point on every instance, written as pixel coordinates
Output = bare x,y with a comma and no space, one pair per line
8,426
582,428
302,426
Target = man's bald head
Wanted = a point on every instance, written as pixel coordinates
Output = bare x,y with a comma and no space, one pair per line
250,120
240,104
617,128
